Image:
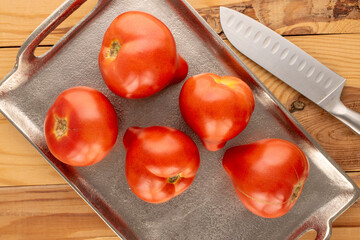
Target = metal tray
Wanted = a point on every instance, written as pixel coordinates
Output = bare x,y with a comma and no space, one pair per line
209,209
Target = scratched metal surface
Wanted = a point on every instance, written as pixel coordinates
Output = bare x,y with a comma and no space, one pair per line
209,209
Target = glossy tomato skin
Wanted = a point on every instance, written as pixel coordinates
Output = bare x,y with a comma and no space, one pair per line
161,162
268,175
216,108
138,56
81,126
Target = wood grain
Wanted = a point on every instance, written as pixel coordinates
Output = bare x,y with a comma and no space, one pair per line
20,163
20,18
350,218
8,58
48,212
289,17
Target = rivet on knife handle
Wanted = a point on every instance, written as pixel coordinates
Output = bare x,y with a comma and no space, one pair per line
289,63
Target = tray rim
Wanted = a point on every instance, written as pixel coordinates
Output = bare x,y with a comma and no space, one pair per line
101,3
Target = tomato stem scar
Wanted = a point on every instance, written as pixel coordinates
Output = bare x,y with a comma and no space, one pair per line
60,127
174,179
114,49
296,191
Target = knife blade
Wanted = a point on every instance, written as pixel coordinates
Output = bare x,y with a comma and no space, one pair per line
289,63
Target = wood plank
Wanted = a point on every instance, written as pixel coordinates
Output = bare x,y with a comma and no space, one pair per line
20,163
8,58
351,217
287,17
293,17
19,18
197,4
48,212
348,233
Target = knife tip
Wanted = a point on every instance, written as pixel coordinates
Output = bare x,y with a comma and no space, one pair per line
223,12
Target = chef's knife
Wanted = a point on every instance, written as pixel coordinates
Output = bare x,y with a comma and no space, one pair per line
289,63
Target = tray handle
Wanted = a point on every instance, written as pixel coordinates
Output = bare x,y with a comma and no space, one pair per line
26,52
323,231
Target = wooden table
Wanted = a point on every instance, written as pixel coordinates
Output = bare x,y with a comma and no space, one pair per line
36,203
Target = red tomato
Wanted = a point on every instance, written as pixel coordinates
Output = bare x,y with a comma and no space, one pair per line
268,175
216,108
81,126
138,56
161,162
